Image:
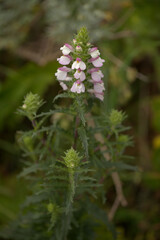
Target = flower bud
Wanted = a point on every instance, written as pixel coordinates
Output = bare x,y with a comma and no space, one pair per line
50,207
54,211
116,117
78,48
31,104
71,159
74,41
123,139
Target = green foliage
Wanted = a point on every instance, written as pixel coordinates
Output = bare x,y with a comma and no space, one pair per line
31,104
82,36
84,140
29,78
156,112
79,107
115,118
65,192
71,158
14,21
11,188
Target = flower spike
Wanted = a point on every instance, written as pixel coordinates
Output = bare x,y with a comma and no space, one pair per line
83,73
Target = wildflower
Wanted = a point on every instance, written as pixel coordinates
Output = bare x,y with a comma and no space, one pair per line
78,87
99,95
78,48
94,52
74,41
66,49
68,79
97,62
99,87
78,64
64,60
64,86
61,73
83,72
96,74
79,74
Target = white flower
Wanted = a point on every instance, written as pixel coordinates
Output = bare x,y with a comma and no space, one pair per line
78,87
94,52
80,75
96,74
97,62
68,79
78,48
66,49
64,60
64,86
61,73
74,41
99,87
99,95
79,64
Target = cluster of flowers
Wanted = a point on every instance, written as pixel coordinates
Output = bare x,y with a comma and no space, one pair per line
73,78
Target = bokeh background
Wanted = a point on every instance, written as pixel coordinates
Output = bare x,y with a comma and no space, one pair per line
127,33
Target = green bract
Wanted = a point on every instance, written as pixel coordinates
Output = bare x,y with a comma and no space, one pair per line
72,158
123,138
116,117
31,104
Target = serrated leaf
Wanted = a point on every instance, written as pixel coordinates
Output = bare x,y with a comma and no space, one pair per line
62,95
121,166
101,215
80,110
35,79
34,168
84,140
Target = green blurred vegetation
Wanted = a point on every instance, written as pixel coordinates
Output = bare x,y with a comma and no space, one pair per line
127,32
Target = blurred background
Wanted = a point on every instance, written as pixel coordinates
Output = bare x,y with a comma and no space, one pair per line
127,33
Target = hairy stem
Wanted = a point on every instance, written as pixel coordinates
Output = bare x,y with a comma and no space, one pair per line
76,132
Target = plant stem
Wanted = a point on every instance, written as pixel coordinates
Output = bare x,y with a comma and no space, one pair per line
76,132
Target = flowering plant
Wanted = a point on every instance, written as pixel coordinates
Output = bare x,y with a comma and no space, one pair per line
69,165
84,61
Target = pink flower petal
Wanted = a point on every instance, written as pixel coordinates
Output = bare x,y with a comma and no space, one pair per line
80,75
99,87
64,86
78,87
64,60
82,65
66,49
64,69
99,96
97,62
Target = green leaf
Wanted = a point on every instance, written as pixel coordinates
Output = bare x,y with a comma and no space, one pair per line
29,78
120,166
33,169
101,215
84,140
80,110
62,95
